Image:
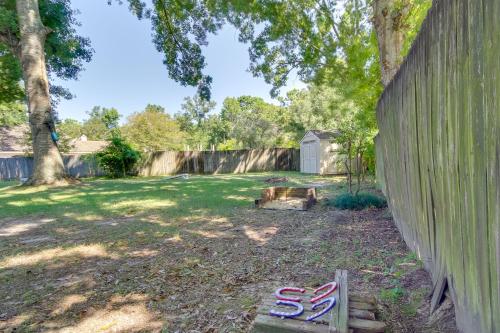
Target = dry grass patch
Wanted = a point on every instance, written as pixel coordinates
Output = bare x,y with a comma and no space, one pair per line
195,257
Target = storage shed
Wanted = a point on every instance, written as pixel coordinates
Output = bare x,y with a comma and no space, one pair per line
319,155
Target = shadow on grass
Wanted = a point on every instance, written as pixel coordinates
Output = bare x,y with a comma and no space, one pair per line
136,254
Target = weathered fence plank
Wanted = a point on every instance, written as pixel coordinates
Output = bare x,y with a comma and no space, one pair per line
171,162
439,152
76,166
215,162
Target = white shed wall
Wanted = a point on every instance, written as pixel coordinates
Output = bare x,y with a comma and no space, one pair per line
331,161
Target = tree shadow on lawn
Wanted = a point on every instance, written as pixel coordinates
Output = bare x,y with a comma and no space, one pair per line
203,273
200,264
118,198
128,274
173,198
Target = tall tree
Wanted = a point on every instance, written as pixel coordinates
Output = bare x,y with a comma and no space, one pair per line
394,21
196,109
153,130
313,36
40,35
201,126
48,163
388,24
101,124
254,123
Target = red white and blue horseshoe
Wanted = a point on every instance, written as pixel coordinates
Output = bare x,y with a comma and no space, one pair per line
279,294
282,314
331,286
331,303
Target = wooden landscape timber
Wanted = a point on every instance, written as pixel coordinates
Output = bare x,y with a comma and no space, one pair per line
347,316
439,152
295,198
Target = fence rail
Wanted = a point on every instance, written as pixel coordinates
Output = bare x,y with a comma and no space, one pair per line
171,162
439,145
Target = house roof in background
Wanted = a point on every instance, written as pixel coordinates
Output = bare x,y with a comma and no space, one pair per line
80,147
324,135
11,138
11,142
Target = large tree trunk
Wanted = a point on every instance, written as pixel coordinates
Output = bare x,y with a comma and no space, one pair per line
390,35
48,165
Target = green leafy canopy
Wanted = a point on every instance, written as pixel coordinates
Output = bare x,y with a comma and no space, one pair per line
65,51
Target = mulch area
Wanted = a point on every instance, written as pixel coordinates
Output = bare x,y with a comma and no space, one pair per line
212,274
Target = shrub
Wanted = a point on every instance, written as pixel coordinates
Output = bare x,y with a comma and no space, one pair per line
393,295
359,201
118,158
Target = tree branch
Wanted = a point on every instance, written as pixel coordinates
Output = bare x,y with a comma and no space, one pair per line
11,41
171,29
324,6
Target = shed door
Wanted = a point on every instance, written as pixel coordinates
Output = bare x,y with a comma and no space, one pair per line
310,158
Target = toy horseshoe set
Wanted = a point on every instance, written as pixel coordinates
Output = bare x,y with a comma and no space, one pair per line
330,308
295,301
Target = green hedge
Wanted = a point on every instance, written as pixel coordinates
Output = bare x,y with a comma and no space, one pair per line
358,202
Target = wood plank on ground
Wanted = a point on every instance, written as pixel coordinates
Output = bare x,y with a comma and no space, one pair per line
268,324
366,326
340,316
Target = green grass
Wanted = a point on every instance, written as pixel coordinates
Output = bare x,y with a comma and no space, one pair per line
159,208
153,243
393,295
101,198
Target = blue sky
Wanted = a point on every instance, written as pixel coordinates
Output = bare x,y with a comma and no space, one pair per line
127,72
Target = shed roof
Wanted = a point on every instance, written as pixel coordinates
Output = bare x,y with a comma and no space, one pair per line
323,135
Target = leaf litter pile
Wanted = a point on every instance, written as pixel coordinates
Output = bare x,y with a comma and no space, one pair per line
207,275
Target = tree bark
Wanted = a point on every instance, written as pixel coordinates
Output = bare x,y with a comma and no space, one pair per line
48,167
390,35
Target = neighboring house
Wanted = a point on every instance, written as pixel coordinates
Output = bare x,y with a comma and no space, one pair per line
319,154
84,146
13,143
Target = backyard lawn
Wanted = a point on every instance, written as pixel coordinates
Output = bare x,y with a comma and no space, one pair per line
158,255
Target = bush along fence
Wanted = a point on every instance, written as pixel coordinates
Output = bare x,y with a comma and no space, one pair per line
439,142
171,162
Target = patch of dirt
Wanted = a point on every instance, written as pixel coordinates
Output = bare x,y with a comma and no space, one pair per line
282,204
207,276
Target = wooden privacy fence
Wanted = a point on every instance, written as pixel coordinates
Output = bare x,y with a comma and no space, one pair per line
214,162
439,143
76,166
171,162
